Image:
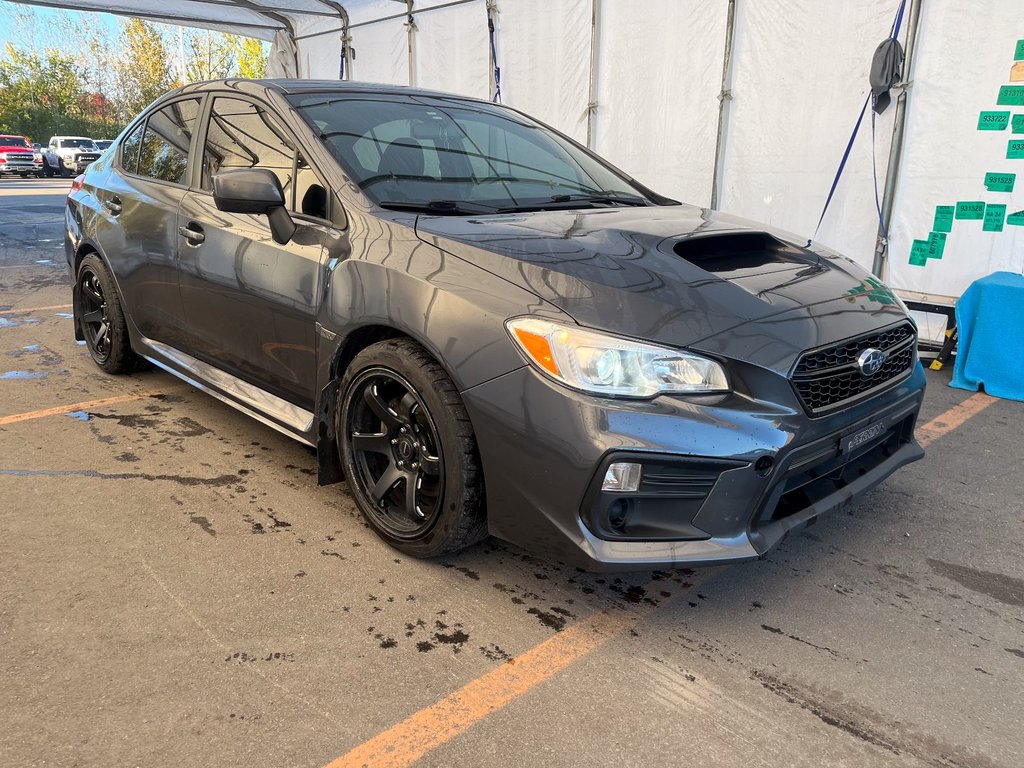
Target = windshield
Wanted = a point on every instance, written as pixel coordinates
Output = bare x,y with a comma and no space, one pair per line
104,144
451,155
79,143
15,141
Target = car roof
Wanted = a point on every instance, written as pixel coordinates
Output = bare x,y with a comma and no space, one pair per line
288,87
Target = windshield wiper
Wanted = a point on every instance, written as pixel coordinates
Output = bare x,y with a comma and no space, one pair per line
607,198
438,207
568,202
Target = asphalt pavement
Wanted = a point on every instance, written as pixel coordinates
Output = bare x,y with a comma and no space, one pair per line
176,590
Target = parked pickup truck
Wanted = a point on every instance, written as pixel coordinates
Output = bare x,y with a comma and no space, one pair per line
69,155
17,157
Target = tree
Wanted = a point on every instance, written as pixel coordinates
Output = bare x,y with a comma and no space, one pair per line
252,60
212,56
143,73
42,94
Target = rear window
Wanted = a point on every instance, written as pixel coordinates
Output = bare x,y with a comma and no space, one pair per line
165,144
130,148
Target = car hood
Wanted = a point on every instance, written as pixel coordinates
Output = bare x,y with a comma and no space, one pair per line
678,275
14,148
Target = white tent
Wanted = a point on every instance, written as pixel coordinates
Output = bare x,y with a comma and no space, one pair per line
743,105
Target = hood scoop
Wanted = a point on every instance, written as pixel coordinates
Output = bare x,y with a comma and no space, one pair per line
757,262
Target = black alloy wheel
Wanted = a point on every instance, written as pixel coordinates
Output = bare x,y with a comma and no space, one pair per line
408,450
95,314
100,318
396,452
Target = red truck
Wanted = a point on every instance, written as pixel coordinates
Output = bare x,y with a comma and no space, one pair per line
18,157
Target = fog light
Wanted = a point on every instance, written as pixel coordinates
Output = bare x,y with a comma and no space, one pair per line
622,476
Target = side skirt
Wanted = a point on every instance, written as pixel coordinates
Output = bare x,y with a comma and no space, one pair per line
287,418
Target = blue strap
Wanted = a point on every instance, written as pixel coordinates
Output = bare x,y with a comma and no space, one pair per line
899,20
894,33
341,68
494,60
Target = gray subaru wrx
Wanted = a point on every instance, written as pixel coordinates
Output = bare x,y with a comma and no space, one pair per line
485,328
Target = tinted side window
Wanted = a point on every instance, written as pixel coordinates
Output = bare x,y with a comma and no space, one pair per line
164,151
130,148
242,135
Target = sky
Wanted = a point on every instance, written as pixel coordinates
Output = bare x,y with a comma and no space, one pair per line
42,20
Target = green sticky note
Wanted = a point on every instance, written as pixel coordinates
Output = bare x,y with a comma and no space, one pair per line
943,218
1018,55
1011,95
995,213
974,210
993,121
936,244
1000,182
1015,219
1015,149
1018,123
919,253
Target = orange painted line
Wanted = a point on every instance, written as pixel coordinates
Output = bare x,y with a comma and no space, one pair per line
62,409
403,744
423,731
953,418
33,309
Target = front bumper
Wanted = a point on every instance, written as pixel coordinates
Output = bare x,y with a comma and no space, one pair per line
18,164
544,450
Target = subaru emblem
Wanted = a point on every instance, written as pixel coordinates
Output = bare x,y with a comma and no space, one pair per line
870,361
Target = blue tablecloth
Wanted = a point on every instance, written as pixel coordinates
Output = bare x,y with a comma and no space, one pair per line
990,348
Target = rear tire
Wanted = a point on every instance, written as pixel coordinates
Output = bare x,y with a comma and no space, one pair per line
99,314
408,450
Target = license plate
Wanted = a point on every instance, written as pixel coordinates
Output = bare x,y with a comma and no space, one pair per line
850,443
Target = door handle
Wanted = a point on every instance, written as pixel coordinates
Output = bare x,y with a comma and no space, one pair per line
193,233
113,205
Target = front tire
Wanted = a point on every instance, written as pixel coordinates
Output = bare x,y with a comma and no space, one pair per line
408,450
99,314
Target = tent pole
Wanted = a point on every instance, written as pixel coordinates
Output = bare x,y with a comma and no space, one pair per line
346,38
410,27
592,94
724,97
880,265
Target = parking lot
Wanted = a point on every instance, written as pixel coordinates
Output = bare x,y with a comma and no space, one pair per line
175,589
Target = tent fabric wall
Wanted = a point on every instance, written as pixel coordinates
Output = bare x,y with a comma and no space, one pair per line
545,62
452,51
963,58
800,78
659,74
653,71
382,52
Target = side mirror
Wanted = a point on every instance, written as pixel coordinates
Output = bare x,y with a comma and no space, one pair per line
254,190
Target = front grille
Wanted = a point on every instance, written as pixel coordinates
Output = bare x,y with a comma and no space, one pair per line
826,378
88,158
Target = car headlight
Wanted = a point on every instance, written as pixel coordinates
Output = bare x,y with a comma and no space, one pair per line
611,365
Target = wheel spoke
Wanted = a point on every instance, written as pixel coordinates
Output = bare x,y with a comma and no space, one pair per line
93,317
379,407
430,465
90,290
387,481
101,332
410,499
405,407
371,443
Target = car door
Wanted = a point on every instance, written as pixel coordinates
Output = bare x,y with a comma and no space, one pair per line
139,198
251,302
